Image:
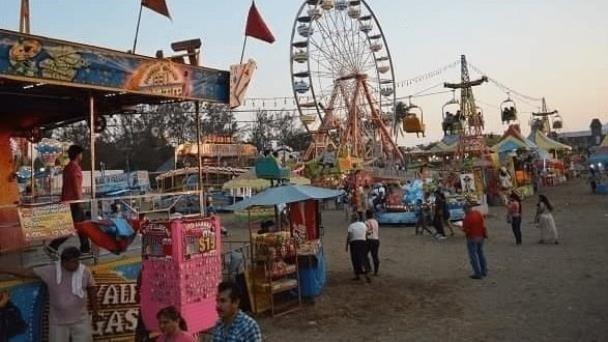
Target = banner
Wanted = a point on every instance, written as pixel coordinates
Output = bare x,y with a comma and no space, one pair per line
41,60
240,76
46,223
467,181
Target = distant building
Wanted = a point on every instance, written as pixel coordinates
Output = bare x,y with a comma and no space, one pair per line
582,141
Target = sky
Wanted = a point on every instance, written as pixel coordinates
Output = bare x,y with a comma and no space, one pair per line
557,49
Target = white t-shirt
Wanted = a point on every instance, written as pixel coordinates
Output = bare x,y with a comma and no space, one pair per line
373,228
357,231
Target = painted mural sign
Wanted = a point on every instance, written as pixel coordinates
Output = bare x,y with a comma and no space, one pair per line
46,222
117,300
44,60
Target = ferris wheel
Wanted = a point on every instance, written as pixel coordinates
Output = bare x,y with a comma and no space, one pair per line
342,71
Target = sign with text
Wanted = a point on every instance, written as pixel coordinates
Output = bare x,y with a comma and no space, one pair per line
118,305
47,222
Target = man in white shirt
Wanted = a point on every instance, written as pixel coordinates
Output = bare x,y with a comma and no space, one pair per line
356,240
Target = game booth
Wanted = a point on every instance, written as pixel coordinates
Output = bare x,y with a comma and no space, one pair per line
287,257
598,162
516,158
46,83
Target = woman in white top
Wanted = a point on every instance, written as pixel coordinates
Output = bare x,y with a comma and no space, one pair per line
357,243
373,243
545,220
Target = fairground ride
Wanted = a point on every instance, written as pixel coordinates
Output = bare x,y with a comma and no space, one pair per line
343,83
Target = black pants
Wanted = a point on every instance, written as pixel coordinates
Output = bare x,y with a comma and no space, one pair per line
438,223
373,245
77,216
358,257
516,226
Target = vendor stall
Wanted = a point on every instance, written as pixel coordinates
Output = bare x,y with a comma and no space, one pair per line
288,258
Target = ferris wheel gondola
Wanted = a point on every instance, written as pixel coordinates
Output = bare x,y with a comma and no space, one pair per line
452,120
508,110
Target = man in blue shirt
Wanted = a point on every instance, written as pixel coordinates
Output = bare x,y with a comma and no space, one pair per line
234,325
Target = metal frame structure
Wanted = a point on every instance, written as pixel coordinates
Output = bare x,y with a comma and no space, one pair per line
471,135
343,79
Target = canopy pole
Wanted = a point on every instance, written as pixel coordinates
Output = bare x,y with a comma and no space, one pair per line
200,187
92,147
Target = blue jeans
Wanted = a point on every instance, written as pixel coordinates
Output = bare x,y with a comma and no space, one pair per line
478,260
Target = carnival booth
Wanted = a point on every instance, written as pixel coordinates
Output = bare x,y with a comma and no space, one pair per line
181,266
45,83
549,153
516,156
288,261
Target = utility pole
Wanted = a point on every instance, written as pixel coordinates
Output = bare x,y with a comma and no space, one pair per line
24,17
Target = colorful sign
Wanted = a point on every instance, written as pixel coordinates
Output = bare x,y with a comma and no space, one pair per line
47,222
44,60
137,180
118,307
240,77
467,180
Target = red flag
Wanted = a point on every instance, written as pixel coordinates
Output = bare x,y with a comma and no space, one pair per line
158,6
256,27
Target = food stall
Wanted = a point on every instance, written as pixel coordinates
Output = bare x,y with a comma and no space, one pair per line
287,255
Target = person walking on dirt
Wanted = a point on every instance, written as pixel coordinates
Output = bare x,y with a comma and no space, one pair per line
356,240
373,242
438,216
474,228
514,211
545,220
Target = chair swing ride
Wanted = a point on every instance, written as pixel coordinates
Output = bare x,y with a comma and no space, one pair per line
545,121
343,83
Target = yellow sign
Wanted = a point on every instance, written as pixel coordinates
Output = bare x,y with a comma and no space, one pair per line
47,222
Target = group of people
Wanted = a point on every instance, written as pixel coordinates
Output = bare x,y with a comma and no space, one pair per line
475,230
72,292
543,219
433,212
362,240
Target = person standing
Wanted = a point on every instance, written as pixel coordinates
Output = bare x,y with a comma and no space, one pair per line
233,324
70,286
71,190
172,326
545,220
356,240
474,228
438,216
11,321
373,241
514,211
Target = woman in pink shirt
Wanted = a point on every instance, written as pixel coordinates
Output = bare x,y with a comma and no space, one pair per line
172,326
514,216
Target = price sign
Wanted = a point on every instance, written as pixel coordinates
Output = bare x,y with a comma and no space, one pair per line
47,222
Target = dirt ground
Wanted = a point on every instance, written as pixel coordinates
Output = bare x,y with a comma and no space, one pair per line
423,293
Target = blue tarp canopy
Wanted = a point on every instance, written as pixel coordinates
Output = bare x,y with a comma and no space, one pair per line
598,158
285,194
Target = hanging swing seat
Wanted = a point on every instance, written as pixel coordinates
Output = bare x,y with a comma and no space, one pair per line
412,124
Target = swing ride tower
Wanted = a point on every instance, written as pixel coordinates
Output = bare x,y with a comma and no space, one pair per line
471,140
